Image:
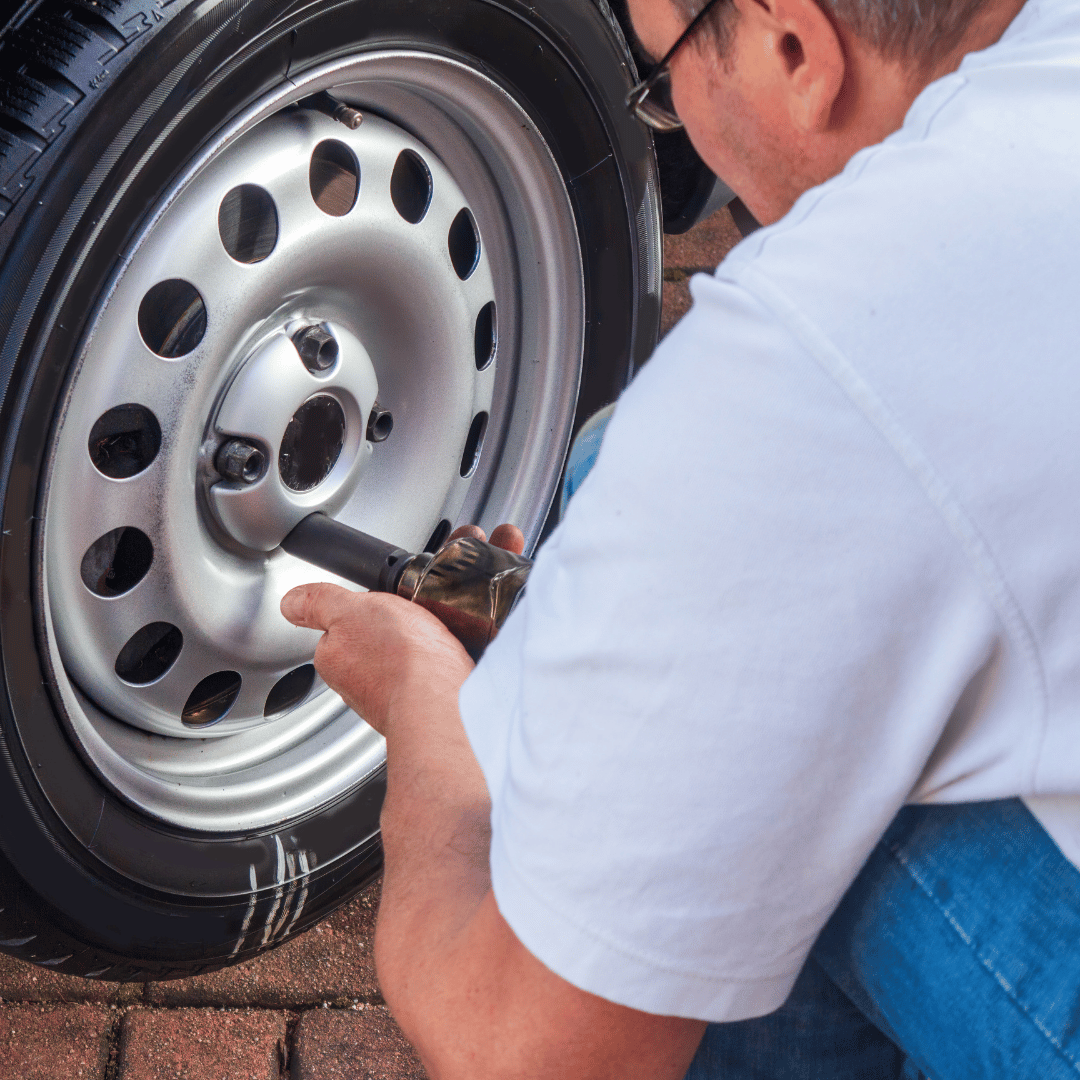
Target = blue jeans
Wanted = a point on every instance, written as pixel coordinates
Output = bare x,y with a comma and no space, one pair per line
583,454
955,955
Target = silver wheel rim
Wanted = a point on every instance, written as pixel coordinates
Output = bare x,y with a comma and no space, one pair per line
404,301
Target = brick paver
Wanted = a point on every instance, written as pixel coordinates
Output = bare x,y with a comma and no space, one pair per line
28,982
701,249
331,963
703,246
353,1044
202,1044
54,1043
309,1011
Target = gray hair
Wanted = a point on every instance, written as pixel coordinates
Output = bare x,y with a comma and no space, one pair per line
919,32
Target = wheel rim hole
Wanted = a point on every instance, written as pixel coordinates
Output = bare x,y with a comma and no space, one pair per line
172,318
149,653
212,699
473,444
312,443
124,441
334,177
410,186
485,336
248,223
290,690
438,537
116,562
464,243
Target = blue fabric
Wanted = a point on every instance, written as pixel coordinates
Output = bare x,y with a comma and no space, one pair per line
583,454
955,955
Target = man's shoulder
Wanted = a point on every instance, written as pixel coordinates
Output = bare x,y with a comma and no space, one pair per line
978,147
952,241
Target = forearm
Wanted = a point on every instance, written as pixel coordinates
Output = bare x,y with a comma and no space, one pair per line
435,815
475,1002
435,818
436,831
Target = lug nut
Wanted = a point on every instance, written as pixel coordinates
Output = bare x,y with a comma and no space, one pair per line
316,347
380,423
240,461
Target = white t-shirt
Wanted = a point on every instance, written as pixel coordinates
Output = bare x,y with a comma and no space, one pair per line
828,562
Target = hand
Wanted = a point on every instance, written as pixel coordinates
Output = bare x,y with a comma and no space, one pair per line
376,647
507,537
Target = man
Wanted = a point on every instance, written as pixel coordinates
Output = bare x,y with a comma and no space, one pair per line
827,564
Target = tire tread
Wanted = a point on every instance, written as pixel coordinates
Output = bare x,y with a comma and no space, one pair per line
52,57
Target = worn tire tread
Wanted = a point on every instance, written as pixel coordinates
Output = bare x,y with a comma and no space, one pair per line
53,60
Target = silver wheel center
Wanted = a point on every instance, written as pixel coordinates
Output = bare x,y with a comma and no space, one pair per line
318,317
307,425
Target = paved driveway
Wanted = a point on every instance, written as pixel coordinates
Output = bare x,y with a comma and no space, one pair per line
310,1010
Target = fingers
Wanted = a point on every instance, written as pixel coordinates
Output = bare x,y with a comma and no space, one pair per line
316,606
467,530
373,644
508,537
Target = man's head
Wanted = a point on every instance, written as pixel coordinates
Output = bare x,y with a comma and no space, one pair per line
777,95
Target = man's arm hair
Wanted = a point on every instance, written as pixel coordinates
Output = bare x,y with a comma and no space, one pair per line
473,1000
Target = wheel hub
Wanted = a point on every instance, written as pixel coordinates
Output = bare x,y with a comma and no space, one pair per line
312,444
309,420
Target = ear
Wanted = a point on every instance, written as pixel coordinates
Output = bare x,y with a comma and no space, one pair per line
811,59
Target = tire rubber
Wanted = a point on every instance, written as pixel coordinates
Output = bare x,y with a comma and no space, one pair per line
101,104
686,182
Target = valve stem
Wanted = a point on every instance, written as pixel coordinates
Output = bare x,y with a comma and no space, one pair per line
336,110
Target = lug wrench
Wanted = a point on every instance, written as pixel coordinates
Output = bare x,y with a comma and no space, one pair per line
470,585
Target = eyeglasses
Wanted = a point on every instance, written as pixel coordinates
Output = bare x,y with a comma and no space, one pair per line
650,101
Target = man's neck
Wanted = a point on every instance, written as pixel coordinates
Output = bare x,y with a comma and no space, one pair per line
984,30
878,92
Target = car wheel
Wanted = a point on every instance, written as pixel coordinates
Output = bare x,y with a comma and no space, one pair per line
371,257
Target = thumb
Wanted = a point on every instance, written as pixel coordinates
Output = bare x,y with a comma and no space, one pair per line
316,606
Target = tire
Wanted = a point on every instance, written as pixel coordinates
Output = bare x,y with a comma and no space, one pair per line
689,189
142,835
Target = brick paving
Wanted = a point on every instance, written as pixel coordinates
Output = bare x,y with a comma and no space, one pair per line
72,1042
697,251
361,1043
310,1010
202,1044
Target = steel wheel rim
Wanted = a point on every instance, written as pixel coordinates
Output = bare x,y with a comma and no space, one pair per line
485,155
